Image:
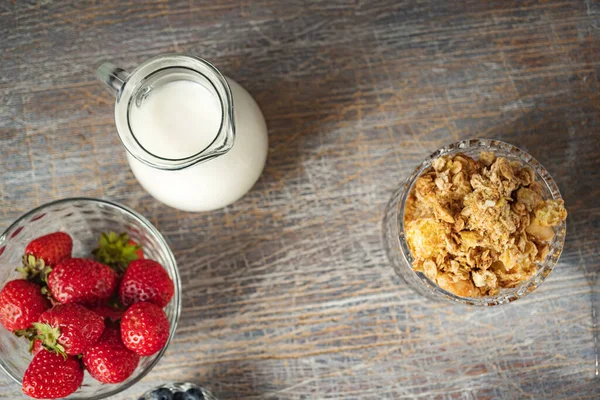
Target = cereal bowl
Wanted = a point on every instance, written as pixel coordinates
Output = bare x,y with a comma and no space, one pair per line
398,244
84,219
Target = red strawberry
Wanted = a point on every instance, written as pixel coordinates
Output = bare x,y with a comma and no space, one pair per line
51,376
109,361
144,328
36,346
79,280
146,280
69,328
45,251
140,251
117,251
108,312
21,303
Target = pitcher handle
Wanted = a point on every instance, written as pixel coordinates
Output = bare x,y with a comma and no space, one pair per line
112,76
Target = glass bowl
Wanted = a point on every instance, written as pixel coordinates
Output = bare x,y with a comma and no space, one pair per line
401,257
84,219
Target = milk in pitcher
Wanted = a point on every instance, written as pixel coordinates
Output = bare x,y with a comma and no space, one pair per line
195,140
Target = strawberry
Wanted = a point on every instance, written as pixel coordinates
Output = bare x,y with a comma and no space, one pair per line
45,252
108,312
144,328
146,280
52,376
109,361
140,251
79,280
21,303
36,346
69,329
117,251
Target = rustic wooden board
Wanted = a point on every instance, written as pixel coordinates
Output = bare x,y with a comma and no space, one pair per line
288,293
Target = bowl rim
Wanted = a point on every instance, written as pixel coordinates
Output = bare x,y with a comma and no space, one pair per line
176,282
512,151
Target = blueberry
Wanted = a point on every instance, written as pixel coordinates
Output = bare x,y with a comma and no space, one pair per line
161,394
194,394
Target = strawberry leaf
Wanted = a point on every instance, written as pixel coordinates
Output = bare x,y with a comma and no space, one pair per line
116,251
49,336
33,268
28,333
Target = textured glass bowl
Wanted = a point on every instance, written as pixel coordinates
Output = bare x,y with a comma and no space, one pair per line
84,219
400,255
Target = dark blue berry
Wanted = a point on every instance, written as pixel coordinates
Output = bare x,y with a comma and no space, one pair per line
194,394
161,394
180,396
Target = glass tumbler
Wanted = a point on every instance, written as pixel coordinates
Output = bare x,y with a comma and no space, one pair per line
84,219
400,255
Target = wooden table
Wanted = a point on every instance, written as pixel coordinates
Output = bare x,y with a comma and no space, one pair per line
288,293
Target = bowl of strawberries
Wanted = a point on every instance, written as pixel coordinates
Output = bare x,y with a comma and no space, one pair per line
89,299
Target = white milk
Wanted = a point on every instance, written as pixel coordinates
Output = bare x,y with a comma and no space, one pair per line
180,119
177,120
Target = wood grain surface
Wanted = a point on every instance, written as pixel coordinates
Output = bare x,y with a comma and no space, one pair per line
288,293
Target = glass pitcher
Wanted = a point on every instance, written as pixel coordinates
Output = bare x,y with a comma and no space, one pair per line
186,143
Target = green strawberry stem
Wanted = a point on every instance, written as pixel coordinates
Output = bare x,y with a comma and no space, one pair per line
29,334
34,269
116,251
49,335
